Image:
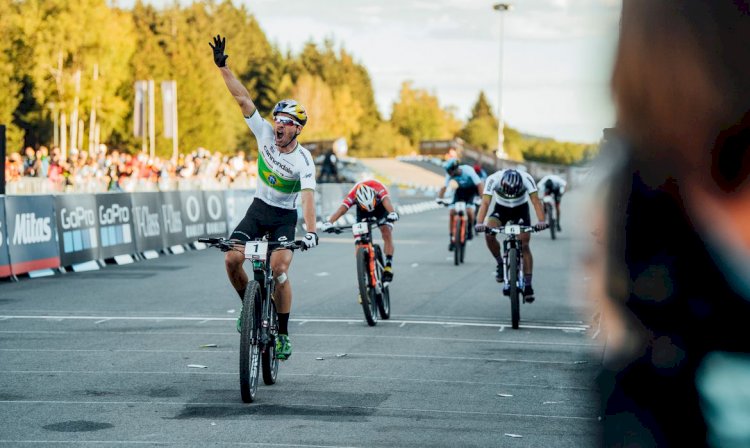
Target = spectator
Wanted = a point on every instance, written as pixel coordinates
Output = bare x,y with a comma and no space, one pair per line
328,170
676,284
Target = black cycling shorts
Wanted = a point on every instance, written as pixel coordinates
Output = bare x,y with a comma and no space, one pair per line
466,194
380,213
514,214
279,223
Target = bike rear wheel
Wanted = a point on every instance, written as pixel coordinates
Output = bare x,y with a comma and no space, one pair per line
270,361
515,312
384,299
249,343
366,293
550,219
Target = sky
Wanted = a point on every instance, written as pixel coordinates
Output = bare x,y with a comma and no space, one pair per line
556,57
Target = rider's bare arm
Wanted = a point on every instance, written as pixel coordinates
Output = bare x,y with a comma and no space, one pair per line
388,205
441,192
538,207
483,207
308,209
338,213
238,91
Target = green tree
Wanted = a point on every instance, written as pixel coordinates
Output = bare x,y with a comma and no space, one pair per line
382,141
10,76
481,129
417,115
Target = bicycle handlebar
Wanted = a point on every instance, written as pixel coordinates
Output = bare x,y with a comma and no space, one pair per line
523,229
373,219
226,244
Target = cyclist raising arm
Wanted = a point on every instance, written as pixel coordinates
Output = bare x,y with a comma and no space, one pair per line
512,191
287,174
374,201
469,185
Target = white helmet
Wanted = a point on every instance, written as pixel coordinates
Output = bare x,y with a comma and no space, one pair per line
366,198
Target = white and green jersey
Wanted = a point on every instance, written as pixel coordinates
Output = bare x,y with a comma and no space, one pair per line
281,175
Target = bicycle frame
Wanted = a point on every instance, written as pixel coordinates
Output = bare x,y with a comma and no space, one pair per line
363,239
461,214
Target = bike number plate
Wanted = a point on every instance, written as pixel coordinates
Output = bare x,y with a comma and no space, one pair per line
460,207
513,230
256,250
360,228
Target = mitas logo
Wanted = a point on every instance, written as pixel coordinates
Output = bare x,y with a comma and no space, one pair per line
30,229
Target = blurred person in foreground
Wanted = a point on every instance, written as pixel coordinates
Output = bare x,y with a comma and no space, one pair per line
674,266
287,174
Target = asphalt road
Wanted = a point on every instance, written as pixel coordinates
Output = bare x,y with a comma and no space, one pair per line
101,358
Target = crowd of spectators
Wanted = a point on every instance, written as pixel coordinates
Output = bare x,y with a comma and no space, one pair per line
46,171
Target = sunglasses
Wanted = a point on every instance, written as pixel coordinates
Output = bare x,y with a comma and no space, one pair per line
286,121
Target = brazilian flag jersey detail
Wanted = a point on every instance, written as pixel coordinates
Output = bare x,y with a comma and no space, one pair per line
282,175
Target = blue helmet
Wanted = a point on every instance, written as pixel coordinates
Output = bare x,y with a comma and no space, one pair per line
450,165
511,185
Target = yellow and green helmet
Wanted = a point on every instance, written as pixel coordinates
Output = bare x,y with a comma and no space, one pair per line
293,108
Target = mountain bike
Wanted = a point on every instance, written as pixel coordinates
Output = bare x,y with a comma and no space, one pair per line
513,262
374,295
460,232
550,213
260,323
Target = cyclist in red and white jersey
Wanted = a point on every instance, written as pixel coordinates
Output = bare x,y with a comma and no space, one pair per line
373,200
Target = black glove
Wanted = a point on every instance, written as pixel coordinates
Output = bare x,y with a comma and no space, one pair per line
540,226
220,59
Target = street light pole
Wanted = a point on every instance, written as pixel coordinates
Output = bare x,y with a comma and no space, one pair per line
501,8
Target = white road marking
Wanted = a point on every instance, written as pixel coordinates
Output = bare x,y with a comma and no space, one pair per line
101,321
369,379
308,335
315,320
361,355
141,442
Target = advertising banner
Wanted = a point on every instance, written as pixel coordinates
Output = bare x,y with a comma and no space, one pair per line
147,226
216,213
173,228
115,224
238,201
4,257
32,243
193,215
77,230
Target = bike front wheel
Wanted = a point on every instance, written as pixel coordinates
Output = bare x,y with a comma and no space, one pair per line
366,292
384,299
270,361
515,312
550,220
249,342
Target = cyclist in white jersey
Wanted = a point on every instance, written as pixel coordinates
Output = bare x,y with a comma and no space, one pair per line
512,191
554,186
286,175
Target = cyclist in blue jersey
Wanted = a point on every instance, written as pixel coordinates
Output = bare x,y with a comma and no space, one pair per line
286,174
469,186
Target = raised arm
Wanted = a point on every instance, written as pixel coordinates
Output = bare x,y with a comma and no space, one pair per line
238,91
